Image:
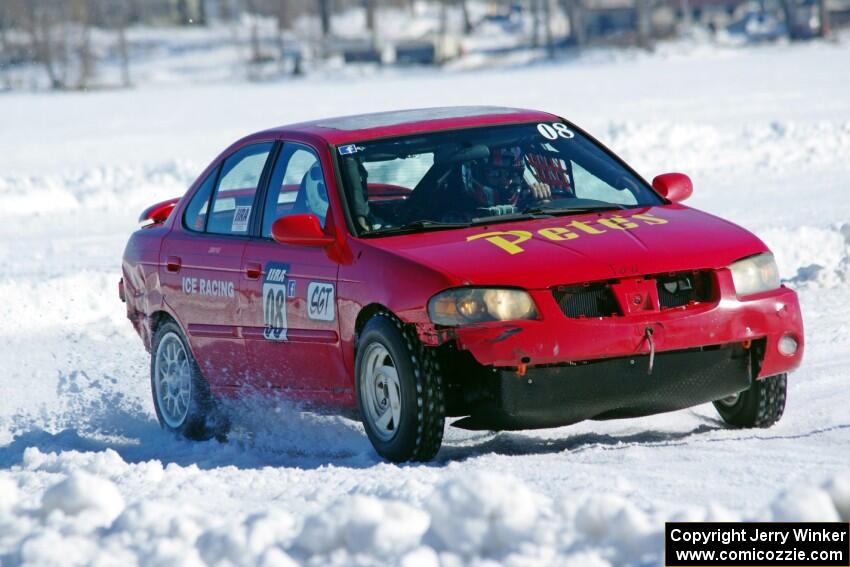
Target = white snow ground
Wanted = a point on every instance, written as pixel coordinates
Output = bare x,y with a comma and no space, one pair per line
88,477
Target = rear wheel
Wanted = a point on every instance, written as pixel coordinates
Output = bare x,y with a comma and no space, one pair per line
399,391
761,405
181,396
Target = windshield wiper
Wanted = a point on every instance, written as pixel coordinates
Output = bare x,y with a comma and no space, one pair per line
528,214
416,226
553,211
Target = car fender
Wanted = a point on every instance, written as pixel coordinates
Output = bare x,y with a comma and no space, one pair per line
142,286
380,279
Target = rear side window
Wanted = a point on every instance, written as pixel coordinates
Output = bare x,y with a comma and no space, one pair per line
234,196
195,216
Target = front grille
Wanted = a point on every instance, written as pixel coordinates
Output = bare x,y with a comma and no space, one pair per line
597,299
592,300
677,290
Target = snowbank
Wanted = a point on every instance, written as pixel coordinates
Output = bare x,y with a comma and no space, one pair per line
102,189
79,516
779,146
810,256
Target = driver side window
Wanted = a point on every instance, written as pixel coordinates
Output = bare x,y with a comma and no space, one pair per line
297,186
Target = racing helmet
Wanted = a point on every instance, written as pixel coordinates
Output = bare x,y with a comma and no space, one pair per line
497,179
316,192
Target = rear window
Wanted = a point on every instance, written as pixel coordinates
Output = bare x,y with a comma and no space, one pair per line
195,216
233,202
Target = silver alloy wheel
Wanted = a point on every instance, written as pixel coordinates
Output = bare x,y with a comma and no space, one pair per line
380,391
730,401
172,380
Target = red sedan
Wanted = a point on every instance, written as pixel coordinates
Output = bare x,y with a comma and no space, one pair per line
493,264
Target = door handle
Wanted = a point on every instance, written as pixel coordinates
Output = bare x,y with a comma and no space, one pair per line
173,264
253,270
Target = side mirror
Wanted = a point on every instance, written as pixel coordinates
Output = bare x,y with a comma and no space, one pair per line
673,186
302,229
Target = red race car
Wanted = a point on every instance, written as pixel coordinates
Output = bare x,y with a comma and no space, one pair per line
493,264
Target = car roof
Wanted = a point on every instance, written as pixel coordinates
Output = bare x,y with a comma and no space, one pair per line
363,127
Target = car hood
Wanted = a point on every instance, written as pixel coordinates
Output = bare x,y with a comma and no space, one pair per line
541,253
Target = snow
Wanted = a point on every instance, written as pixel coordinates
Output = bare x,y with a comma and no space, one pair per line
88,477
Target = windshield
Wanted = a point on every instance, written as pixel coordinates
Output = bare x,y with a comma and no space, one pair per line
445,180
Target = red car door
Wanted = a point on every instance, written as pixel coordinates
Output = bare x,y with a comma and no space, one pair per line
291,327
201,264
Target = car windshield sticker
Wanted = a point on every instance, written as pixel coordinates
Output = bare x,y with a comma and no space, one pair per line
274,302
320,301
347,150
555,130
240,218
511,240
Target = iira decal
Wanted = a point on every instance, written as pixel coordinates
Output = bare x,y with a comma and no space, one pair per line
510,240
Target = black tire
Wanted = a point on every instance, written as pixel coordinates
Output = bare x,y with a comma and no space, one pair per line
419,433
203,420
761,405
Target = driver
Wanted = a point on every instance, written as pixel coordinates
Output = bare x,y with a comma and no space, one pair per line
498,184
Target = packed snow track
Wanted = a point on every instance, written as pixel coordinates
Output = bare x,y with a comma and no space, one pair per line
87,475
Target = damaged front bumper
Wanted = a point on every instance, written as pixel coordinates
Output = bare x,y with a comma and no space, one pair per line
611,388
559,370
557,339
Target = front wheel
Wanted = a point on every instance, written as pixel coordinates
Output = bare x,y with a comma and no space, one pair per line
761,405
181,396
399,391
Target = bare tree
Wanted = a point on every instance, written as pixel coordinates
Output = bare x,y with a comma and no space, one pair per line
83,15
687,15
790,22
325,7
37,19
535,18
256,55
58,37
225,10
444,18
183,16
575,13
823,14
5,51
4,19
550,40
202,12
369,6
284,19
643,23
467,21
116,15
123,54
284,15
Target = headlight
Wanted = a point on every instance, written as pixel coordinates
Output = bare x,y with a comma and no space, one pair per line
475,305
754,275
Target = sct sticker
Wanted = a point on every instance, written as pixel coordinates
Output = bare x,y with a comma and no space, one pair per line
240,218
320,301
274,302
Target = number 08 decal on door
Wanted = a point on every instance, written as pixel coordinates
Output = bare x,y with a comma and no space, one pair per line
274,302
